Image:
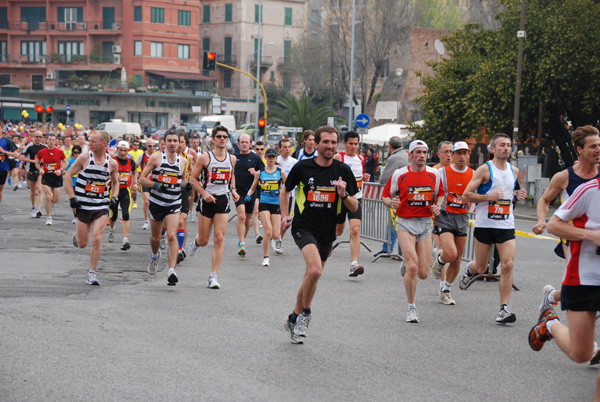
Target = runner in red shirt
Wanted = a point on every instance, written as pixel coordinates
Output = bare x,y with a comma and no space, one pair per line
49,163
415,193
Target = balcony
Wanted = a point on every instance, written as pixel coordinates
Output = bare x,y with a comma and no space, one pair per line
284,63
49,26
58,59
265,62
229,59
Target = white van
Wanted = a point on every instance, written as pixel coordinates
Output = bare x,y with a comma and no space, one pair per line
118,128
226,120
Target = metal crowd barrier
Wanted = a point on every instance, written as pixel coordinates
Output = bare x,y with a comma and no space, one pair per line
377,222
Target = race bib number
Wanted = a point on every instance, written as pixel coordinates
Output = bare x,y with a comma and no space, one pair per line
50,167
168,179
2,158
95,189
419,196
220,176
124,179
270,186
456,201
321,196
359,182
499,210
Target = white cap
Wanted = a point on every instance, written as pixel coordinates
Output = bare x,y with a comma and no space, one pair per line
417,143
460,145
123,144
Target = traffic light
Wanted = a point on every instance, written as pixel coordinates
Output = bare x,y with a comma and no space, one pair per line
262,128
209,61
48,114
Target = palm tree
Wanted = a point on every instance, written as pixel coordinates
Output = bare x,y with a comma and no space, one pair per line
293,112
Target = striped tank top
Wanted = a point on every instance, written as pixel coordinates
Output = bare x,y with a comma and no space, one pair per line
91,187
170,176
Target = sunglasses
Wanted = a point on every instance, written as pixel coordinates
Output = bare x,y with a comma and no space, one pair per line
219,136
260,149
75,153
38,136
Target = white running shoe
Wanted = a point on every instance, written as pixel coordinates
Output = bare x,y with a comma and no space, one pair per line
212,282
436,267
193,248
163,242
146,225
278,248
49,221
411,315
546,304
265,262
91,278
111,235
125,245
33,212
446,298
74,220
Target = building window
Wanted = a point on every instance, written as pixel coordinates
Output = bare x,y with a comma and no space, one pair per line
228,12
316,16
288,16
227,79
205,48
227,47
287,81
158,15
4,79
137,13
33,16
206,14
185,18
3,18
37,82
3,51
257,46
70,49
137,48
287,51
258,13
70,14
138,80
33,50
183,51
156,49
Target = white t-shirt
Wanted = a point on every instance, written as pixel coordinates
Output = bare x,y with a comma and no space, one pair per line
583,267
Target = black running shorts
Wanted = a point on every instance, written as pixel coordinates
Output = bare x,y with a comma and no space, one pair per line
210,209
89,216
52,180
341,218
580,298
158,212
493,236
274,209
303,238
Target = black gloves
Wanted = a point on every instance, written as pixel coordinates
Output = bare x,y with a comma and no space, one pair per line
114,203
74,203
159,187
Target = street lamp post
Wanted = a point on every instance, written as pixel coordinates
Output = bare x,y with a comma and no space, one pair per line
250,83
399,72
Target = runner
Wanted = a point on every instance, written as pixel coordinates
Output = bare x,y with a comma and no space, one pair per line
142,161
248,163
164,174
587,144
355,161
581,283
7,149
415,193
135,153
35,190
324,184
269,180
75,152
493,189
49,163
309,150
286,163
13,163
259,148
189,155
453,220
444,154
90,198
218,180
127,183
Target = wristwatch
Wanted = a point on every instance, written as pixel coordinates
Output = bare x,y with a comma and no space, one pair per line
345,196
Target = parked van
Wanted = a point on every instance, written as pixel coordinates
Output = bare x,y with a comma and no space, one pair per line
118,128
226,120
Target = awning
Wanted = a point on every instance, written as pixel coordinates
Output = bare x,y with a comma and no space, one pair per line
181,76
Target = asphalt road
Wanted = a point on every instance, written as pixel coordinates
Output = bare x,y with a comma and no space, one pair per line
135,339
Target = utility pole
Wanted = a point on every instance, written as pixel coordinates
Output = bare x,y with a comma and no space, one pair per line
521,35
351,103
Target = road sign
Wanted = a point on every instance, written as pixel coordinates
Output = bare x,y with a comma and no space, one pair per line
68,108
363,131
362,120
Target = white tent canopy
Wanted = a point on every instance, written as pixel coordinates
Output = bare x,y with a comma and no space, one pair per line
381,135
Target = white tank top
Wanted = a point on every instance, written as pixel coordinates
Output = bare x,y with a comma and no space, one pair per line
497,214
217,175
355,163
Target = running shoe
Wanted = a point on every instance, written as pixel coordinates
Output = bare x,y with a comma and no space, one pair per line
153,266
213,283
446,298
179,257
33,215
74,220
402,268
193,248
242,249
464,280
546,303
49,221
289,327
15,187
278,248
125,245
258,238
301,327
505,316
596,358
163,242
75,244
539,333
172,279
111,236
411,316
91,279
436,267
265,262
356,270
38,214
146,225
135,205
183,253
